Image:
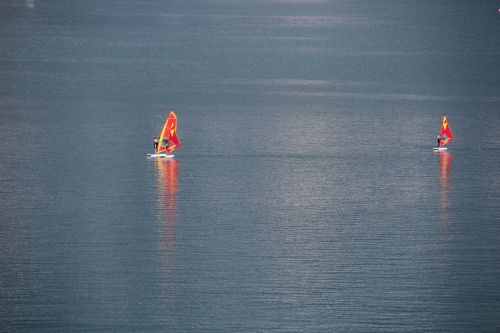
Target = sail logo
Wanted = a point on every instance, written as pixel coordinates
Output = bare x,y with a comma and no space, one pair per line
445,123
172,128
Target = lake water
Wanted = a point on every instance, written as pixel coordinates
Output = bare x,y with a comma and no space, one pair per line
305,197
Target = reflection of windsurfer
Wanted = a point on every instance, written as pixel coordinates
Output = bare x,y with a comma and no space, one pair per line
439,140
155,142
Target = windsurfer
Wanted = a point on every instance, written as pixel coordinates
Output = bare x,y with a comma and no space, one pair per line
167,141
155,142
439,140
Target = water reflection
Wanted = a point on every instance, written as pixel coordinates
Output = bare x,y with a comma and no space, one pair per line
166,177
445,161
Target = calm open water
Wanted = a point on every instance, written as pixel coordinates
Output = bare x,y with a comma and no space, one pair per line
306,196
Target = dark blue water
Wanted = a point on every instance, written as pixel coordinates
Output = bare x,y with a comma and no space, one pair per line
306,196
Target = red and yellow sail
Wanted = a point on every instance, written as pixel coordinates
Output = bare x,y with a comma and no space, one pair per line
168,136
446,134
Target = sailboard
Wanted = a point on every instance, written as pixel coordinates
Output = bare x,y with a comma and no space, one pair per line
168,140
445,135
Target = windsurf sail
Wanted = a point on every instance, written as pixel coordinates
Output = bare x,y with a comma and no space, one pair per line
446,134
168,141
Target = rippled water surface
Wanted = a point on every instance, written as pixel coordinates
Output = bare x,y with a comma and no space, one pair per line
305,197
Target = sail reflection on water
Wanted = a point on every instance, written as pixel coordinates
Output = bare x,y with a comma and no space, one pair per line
445,162
166,177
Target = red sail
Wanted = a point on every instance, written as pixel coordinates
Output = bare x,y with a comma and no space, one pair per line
446,134
168,136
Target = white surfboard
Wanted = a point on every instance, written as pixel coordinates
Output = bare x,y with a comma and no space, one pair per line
160,156
440,149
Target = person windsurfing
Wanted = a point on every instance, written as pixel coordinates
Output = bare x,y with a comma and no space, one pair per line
439,140
156,142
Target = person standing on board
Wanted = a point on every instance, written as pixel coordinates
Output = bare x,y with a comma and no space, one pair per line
439,140
155,142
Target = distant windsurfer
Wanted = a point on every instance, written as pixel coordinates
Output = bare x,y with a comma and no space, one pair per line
439,140
155,142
